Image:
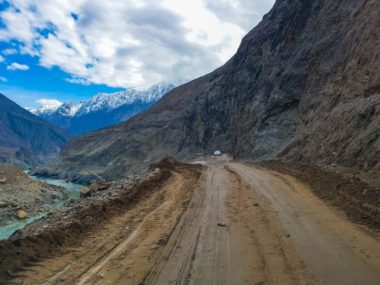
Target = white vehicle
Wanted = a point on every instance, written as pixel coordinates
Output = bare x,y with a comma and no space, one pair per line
217,153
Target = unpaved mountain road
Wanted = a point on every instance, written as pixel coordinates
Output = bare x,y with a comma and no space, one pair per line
236,224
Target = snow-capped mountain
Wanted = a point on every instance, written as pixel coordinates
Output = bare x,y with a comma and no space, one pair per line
67,109
107,101
42,110
103,109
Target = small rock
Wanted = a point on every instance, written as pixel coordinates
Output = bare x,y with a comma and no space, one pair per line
22,215
97,186
162,241
3,180
256,204
55,196
222,225
85,192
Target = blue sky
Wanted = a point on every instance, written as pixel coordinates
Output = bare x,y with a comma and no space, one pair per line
26,87
69,50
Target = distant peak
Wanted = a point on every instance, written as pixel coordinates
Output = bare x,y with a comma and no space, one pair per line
110,101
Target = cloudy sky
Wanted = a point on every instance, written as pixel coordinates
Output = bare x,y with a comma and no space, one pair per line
71,49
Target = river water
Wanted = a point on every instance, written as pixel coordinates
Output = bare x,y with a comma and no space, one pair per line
72,192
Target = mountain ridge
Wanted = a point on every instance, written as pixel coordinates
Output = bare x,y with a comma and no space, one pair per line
296,90
25,138
104,109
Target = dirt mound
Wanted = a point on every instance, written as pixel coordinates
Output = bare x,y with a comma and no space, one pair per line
358,200
168,163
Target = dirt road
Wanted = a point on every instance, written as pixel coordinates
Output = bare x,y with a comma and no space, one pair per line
236,224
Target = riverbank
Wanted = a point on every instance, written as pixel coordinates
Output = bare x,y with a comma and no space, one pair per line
19,193
70,224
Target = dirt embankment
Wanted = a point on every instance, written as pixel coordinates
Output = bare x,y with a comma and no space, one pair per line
358,200
19,192
70,225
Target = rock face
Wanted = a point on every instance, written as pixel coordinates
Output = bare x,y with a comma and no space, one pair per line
303,86
26,138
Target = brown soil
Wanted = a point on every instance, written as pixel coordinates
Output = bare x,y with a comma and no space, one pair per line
222,223
358,200
70,225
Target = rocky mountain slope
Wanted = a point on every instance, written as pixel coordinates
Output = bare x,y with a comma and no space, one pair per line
104,109
303,86
26,138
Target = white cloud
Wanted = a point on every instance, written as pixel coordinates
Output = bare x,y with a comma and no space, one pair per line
76,80
126,43
3,79
17,66
9,51
48,104
2,59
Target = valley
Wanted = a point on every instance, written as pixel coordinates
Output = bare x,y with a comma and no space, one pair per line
264,170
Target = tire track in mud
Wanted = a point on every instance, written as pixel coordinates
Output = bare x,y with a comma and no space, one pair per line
278,262
175,262
332,249
149,227
223,238
234,224
78,259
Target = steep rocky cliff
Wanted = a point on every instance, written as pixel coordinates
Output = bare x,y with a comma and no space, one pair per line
303,86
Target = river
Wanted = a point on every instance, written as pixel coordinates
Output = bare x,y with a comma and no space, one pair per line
72,192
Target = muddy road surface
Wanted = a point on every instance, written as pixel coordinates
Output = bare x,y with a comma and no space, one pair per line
235,224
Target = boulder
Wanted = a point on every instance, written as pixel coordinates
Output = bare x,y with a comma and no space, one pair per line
3,204
98,186
3,180
85,192
22,214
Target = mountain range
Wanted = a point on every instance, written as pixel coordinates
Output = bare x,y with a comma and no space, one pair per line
103,109
26,139
296,90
